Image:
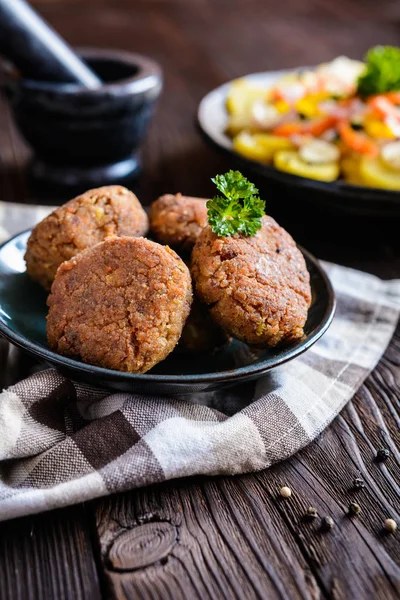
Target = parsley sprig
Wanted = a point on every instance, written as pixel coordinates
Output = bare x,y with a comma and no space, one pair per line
239,209
382,71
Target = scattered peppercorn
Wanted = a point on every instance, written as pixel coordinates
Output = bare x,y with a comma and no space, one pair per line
285,492
311,513
354,508
358,483
382,454
390,525
327,523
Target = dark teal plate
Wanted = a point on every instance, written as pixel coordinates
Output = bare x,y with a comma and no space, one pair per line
23,321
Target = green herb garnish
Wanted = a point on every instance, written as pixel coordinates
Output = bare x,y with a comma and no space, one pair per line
382,71
239,210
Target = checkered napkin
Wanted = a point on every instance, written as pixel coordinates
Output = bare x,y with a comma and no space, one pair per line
63,443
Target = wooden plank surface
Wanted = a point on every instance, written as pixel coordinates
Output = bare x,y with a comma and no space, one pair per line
49,556
235,538
228,537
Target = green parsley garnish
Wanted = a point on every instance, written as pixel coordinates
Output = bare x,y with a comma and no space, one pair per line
239,210
382,71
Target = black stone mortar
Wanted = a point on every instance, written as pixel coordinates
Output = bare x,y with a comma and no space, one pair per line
81,137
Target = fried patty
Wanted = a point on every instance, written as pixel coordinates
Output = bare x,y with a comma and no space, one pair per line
79,224
257,288
201,333
178,220
120,305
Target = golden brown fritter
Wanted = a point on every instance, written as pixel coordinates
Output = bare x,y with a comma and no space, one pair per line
178,220
79,224
257,288
120,305
201,333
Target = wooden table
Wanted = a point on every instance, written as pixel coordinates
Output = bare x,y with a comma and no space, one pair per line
232,537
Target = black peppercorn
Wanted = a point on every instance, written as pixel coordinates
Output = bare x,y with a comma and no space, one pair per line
382,454
311,513
354,508
327,523
358,483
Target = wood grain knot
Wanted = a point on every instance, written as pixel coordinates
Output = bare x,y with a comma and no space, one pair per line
142,546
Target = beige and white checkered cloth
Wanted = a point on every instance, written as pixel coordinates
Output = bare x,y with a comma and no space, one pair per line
63,443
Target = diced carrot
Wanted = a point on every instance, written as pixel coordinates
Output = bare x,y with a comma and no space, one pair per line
356,141
315,127
276,95
386,105
393,97
319,126
288,129
382,106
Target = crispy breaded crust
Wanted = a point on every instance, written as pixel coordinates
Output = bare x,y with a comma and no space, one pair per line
120,305
178,220
79,224
257,288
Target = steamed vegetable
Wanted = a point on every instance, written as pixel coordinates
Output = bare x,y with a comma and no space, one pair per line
382,71
319,152
290,162
376,174
390,156
350,168
356,141
322,123
241,97
260,146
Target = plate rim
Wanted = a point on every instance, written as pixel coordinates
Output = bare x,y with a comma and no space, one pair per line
333,187
207,378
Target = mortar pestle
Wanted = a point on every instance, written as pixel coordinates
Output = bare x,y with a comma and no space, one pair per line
86,120
36,49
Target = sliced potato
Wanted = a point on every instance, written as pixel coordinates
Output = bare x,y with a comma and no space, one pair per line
262,116
319,152
376,174
390,156
238,123
289,161
350,167
259,146
241,97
